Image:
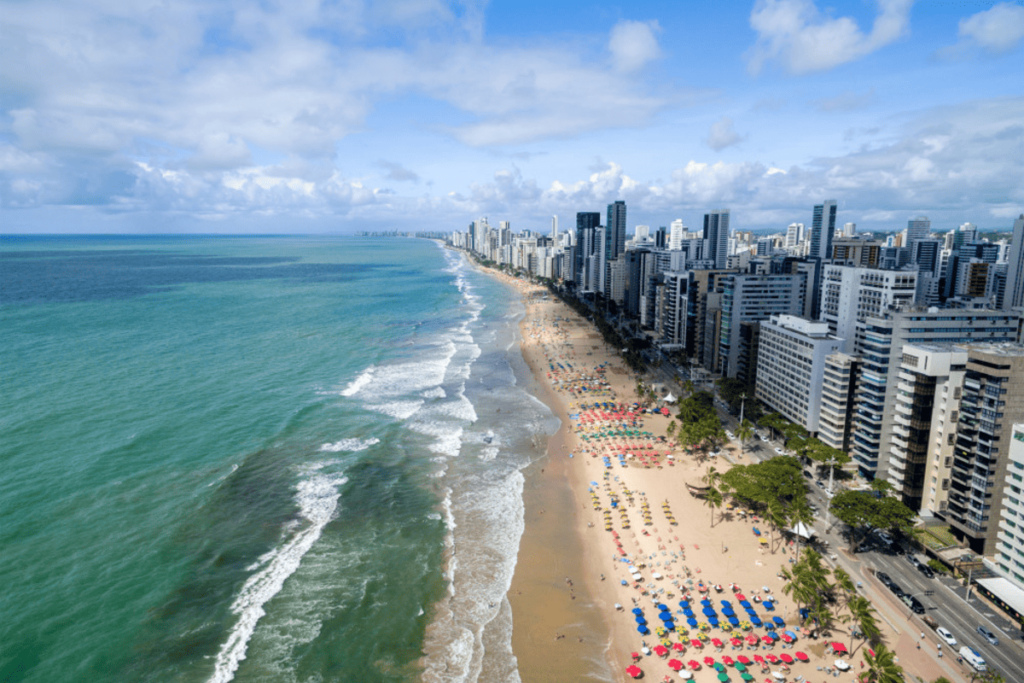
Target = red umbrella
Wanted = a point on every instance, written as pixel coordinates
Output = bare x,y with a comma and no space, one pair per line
759,659
752,639
693,664
696,643
710,661
675,664
767,640
634,671
660,650
802,656
738,642
786,658
838,647
716,642
728,660
772,659
786,639
740,597
678,647
743,659
635,656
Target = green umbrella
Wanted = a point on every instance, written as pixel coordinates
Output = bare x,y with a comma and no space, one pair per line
723,677
740,667
747,677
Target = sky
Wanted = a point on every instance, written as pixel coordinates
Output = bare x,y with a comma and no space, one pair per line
300,116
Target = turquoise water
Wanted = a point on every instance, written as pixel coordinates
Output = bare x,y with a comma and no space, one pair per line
257,459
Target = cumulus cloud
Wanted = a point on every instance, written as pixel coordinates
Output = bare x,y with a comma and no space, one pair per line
998,30
722,135
633,44
795,34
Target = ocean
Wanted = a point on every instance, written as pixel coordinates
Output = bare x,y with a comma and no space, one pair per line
264,459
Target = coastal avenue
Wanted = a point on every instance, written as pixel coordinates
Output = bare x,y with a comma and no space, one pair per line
943,598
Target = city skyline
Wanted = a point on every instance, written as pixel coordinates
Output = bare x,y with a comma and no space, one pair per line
425,115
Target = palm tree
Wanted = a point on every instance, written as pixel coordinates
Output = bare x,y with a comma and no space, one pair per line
713,499
712,477
882,666
671,429
800,513
775,517
744,432
864,616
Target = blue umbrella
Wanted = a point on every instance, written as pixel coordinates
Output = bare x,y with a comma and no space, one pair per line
708,612
744,604
641,620
706,602
734,621
751,612
691,622
637,610
790,634
684,604
778,621
665,616
642,630
726,603
728,612
687,612
670,625
768,625
661,607
713,621
755,620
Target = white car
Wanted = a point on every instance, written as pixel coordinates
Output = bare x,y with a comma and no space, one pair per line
946,636
780,451
764,438
729,434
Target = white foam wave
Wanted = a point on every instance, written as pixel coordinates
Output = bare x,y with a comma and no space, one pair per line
436,392
349,445
359,382
317,498
489,453
400,410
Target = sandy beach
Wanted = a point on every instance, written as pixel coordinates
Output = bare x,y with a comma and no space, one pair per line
612,534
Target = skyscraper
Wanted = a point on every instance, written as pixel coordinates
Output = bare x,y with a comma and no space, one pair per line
918,229
1015,273
716,237
675,239
823,228
586,223
615,230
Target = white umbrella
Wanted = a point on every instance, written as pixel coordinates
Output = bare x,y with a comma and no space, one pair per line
685,675
841,665
778,676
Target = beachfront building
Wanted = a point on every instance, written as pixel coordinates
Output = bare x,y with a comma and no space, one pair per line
921,439
853,251
992,402
753,298
852,293
1009,551
791,366
716,237
879,346
1014,296
836,400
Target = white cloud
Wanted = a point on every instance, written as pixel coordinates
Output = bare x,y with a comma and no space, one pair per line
846,101
795,34
633,44
722,135
997,30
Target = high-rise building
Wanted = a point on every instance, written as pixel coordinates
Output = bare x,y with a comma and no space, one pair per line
851,294
837,400
753,298
823,229
716,237
879,347
794,235
677,234
615,230
1009,551
914,454
554,230
918,229
992,402
791,367
849,229
586,224
1015,272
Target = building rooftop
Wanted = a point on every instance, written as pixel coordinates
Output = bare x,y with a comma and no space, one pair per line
1005,349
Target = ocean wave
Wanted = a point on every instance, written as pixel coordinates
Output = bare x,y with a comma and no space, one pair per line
359,382
317,498
352,445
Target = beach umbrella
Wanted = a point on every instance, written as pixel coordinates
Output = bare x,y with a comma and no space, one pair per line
661,608
778,621
709,661
708,612
771,659
688,612
723,677
736,642
713,621
838,647
660,650
726,659
675,664
743,659
727,611
635,656
768,640
692,622
665,616
693,664
696,643
746,676
634,671
684,604
790,634
642,630
752,639
678,647
786,658
802,656
640,619
716,642
786,638
705,603
637,610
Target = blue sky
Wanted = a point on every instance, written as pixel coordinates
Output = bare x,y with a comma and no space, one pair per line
305,116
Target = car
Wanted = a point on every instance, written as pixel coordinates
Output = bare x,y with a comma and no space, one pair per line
884,536
926,570
897,590
809,475
974,658
885,579
915,606
764,438
946,636
820,483
780,451
988,635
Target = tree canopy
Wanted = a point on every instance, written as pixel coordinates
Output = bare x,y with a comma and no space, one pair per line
862,511
777,480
